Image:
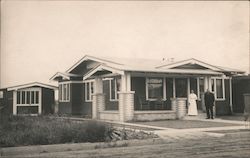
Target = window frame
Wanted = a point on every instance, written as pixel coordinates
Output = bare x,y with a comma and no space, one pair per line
28,100
110,90
88,92
163,88
64,97
215,88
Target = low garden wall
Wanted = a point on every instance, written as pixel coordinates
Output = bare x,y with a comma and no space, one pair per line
109,115
154,115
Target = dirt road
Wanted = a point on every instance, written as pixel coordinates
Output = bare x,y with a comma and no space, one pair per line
235,144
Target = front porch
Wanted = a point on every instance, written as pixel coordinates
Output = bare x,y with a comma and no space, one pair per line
132,97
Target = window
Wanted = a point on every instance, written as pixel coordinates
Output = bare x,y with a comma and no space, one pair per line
169,86
28,97
181,87
154,88
64,92
218,88
89,91
114,88
1,94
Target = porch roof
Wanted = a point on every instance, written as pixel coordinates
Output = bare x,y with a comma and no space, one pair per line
64,75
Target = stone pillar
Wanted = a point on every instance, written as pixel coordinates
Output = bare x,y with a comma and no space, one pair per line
98,104
126,106
181,108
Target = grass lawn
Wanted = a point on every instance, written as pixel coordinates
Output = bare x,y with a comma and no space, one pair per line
20,130
43,130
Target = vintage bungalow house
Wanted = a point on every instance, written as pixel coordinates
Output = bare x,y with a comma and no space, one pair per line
32,98
139,89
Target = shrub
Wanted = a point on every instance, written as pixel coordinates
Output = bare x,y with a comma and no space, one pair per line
20,130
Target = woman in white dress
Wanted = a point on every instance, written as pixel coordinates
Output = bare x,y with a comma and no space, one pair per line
192,107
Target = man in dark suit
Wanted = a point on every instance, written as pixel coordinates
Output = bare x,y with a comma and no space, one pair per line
209,103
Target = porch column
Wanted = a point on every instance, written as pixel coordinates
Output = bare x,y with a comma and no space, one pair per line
98,103
126,99
206,83
188,89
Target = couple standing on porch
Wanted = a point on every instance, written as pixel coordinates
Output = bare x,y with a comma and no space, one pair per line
209,103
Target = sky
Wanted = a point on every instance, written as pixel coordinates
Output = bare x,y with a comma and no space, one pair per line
40,38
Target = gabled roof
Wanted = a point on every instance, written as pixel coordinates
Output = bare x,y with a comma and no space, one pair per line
189,61
63,75
31,85
100,68
148,65
88,57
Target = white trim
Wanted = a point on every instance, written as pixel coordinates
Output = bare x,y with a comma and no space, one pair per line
61,92
230,94
198,87
66,82
31,85
58,74
14,102
102,67
128,81
110,90
88,57
174,90
164,89
36,103
189,61
86,92
188,88
215,88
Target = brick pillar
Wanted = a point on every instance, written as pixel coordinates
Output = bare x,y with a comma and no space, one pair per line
181,108
126,106
173,104
98,104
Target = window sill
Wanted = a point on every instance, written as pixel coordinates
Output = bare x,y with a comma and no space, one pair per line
222,99
64,101
88,101
113,100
